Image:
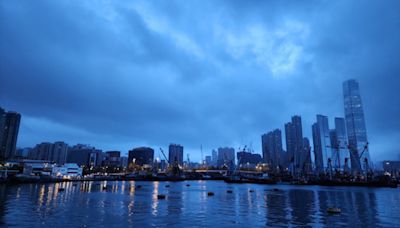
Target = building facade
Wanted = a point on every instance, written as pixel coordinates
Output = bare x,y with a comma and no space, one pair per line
141,156
294,142
248,159
9,128
226,157
339,144
82,154
355,124
175,154
322,143
272,149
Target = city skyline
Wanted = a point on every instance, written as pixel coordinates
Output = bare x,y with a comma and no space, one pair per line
154,78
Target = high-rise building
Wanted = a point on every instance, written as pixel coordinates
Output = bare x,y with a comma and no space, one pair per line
113,159
9,127
322,143
272,148
175,154
59,153
141,156
86,155
355,124
247,158
294,142
41,151
214,155
52,152
2,121
226,157
339,144
208,160
306,165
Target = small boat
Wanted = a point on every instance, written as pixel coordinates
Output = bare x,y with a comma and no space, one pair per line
161,196
210,193
229,191
334,210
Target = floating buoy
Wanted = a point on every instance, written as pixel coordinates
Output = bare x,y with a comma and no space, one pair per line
276,190
251,190
161,196
167,186
334,210
61,189
188,185
229,191
210,193
139,186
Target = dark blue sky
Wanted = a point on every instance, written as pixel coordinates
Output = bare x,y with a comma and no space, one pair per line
120,74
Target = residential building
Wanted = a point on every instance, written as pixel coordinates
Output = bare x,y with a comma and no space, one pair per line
294,142
175,154
226,157
9,128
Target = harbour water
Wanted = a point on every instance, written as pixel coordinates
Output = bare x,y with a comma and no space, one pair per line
187,204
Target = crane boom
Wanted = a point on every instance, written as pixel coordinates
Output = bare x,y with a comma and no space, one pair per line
162,151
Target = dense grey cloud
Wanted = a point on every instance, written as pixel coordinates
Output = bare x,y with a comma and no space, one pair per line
124,74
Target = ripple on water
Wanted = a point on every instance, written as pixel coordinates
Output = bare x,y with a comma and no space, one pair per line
123,204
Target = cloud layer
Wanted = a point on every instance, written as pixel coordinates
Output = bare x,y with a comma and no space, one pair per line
123,74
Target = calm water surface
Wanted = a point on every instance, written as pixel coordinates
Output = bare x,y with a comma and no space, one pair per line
86,204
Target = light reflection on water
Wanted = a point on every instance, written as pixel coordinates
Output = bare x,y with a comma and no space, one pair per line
124,204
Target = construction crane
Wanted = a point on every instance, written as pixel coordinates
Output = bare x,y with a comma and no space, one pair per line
201,150
365,159
357,157
162,151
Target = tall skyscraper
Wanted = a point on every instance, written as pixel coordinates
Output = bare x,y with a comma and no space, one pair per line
322,143
294,142
9,124
306,164
355,124
272,148
339,143
175,154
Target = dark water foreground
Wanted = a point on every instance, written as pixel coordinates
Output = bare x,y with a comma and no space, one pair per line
88,204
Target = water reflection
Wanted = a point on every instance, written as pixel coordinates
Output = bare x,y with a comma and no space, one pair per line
124,204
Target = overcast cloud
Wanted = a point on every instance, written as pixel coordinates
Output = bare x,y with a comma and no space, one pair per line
118,75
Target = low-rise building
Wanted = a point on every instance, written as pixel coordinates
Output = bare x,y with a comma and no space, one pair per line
67,170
